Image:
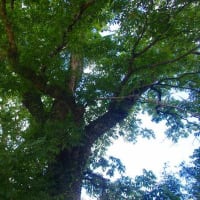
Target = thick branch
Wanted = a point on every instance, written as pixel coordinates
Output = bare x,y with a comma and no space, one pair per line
38,81
117,112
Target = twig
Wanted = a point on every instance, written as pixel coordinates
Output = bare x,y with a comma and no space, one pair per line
165,104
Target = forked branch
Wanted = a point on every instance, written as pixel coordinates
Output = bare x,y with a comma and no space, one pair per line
77,17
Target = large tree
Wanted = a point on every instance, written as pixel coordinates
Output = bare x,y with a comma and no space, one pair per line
73,72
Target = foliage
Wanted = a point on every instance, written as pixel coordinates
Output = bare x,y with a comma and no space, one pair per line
69,82
145,187
191,173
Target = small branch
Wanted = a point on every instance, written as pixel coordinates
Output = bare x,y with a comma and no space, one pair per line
152,43
160,82
139,39
117,98
12,2
196,53
179,77
78,16
165,104
173,60
147,47
174,86
95,179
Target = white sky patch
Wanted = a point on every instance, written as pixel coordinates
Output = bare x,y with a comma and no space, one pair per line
180,95
110,30
152,154
89,69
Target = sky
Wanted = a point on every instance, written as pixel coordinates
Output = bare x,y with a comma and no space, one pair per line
152,154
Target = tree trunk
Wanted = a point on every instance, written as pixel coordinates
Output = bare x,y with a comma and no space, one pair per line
66,174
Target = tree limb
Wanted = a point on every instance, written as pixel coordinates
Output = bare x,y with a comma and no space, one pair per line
38,81
118,110
178,77
196,53
165,104
139,38
173,60
161,82
174,86
31,100
148,47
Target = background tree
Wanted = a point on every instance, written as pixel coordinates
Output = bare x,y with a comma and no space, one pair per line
65,86
191,173
181,185
168,188
145,187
